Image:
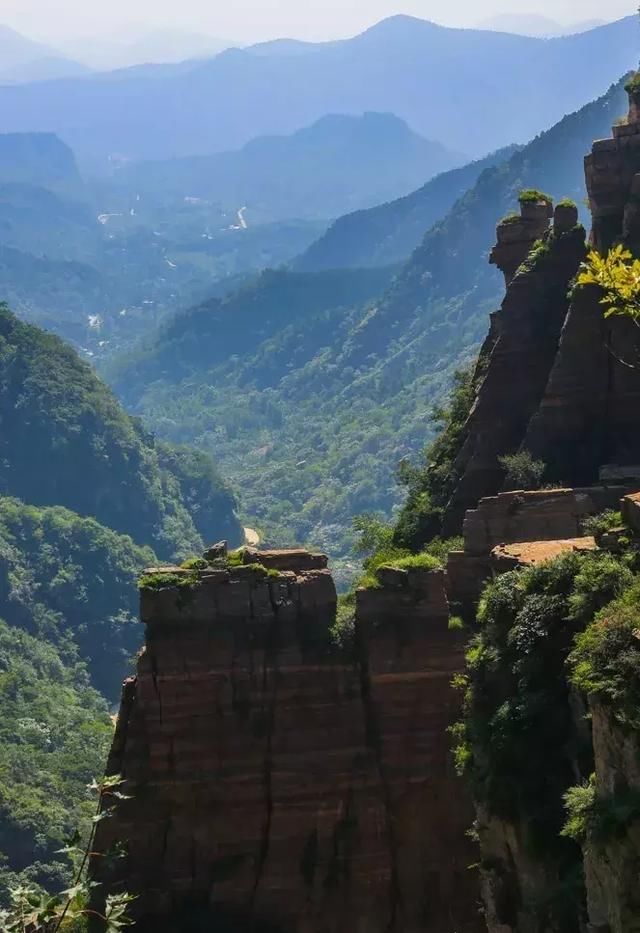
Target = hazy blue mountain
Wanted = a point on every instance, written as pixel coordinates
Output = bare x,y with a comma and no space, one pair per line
22,59
129,47
472,90
388,233
100,273
338,164
534,24
38,159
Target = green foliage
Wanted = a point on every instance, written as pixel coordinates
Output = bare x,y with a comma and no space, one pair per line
430,484
324,384
606,659
66,441
55,733
71,582
633,84
194,563
522,471
518,741
343,629
566,202
33,910
533,195
618,275
598,525
166,581
518,719
595,819
511,218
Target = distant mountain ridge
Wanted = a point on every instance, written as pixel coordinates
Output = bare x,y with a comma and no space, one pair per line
392,67
339,163
388,233
23,60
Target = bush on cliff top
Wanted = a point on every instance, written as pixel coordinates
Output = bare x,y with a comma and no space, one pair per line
633,84
529,195
522,471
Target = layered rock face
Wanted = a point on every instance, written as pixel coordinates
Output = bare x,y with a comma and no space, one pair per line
611,868
556,378
588,415
542,523
523,345
277,785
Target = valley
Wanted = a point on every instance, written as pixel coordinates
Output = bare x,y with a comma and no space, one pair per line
318,462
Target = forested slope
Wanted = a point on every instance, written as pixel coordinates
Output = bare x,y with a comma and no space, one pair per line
312,412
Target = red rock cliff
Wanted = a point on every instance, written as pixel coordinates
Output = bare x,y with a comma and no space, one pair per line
276,786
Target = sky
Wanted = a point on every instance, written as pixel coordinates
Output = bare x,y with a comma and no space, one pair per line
253,20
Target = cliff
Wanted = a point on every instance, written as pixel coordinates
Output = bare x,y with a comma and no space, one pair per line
556,378
552,697
276,784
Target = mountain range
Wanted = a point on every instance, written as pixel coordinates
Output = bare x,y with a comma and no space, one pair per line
330,399
23,60
339,163
393,67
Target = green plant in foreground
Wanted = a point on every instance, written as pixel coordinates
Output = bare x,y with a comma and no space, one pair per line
32,910
618,275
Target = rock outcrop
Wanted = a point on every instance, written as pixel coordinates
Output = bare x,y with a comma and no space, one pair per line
557,379
522,347
277,785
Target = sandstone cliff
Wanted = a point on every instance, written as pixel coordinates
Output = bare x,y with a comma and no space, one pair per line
277,785
556,378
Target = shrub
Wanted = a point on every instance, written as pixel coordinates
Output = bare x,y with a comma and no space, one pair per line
598,525
596,820
601,579
164,581
343,629
512,218
633,84
567,202
529,195
606,660
522,471
195,563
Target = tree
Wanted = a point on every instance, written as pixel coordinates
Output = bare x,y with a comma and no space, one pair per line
618,275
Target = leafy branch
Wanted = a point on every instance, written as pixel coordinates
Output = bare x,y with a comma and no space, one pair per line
35,911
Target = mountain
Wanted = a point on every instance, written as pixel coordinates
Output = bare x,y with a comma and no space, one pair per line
39,159
430,76
327,404
22,60
128,48
337,164
534,24
99,462
389,233
99,267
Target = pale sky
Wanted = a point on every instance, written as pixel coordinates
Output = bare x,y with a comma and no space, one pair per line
252,20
